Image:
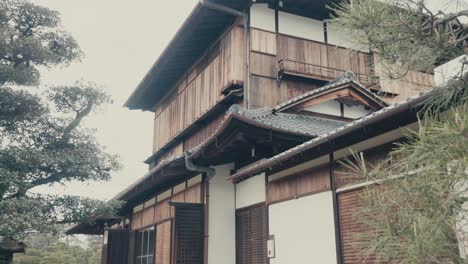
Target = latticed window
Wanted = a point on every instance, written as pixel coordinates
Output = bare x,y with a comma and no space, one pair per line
144,243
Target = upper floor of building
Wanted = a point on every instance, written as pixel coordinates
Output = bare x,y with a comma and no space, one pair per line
255,54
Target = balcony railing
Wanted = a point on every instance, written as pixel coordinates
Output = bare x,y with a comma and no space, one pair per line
317,72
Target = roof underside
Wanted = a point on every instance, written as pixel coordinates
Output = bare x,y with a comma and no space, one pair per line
200,29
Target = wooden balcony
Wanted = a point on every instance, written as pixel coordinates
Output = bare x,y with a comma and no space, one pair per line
318,72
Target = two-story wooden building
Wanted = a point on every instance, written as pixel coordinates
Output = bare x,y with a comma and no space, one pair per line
254,102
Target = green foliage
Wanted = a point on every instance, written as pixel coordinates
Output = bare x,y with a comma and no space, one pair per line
46,149
31,36
404,32
415,213
50,249
42,141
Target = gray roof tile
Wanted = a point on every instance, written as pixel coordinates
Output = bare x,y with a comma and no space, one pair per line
303,124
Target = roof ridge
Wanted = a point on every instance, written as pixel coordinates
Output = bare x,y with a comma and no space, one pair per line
347,77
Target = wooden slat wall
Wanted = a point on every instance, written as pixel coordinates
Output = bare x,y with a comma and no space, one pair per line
323,55
203,133
411,84
193,194
265,55
137,220
162,211
344,176
148,216
349,205
302,184
163,243
251,235
200,89
263,42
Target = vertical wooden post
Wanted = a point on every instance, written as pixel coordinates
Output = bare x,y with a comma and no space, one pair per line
336,213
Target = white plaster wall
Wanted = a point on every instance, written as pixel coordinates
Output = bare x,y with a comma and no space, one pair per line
304,230
221,218
329,108
447,71
357,111
251,191
302,27
262,17
338,37
333,108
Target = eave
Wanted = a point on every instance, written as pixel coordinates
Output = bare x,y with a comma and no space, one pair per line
198,32
387,119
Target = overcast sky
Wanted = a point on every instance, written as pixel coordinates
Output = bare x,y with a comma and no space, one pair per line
121,40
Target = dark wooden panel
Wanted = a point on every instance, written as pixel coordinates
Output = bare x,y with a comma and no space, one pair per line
252,235
117,246
189,233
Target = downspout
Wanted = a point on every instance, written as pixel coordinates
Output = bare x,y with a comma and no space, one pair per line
209,171
209,174
245,16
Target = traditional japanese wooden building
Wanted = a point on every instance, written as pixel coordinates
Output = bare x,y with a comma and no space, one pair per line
254,103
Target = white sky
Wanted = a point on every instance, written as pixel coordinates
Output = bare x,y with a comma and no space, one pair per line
121,40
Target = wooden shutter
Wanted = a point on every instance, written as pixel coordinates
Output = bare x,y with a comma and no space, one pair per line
349,204
252,235
117,246
189,233
163,242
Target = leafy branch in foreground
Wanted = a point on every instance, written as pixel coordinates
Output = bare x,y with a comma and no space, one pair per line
43,144
416,211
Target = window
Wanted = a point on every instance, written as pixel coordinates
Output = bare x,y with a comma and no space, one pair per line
144,243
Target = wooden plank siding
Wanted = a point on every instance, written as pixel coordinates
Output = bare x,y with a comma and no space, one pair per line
200,89
163,242
411,84
352,228
372,157
302,184
161,211
271,59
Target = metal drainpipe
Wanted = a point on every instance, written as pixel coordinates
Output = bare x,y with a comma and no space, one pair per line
237,13
209,171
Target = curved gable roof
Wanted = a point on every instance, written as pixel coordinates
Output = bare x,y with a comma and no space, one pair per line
347,80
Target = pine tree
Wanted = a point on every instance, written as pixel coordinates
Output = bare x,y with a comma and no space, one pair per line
415,213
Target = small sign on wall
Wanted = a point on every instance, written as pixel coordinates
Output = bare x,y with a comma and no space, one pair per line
271,247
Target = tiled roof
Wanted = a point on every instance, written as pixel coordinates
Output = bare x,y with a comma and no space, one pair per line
347,78
303,124
263,164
